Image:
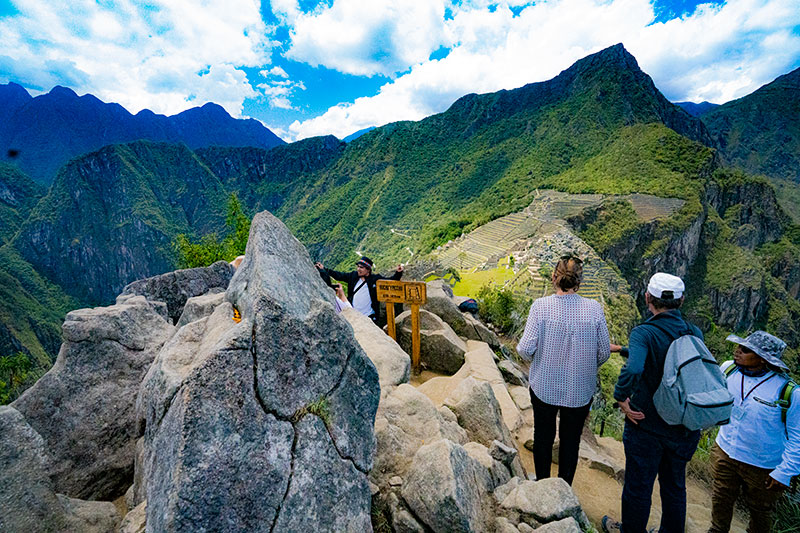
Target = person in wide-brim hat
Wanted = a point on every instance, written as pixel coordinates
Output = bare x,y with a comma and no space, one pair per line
768,347
758,452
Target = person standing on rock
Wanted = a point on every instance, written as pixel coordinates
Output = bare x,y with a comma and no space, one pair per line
759,451
653,448
566,339
362,292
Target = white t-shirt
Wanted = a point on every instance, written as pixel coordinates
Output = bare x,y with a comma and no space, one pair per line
362,302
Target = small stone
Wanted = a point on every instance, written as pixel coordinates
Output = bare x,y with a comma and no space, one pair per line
525,528
502,452
396,481
566,525
502,525
529,444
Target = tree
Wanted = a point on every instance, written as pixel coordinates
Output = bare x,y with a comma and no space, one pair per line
209,249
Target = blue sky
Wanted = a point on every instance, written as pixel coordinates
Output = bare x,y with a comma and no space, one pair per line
308,68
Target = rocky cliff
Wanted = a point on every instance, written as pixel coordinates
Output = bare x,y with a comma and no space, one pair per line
282,417
710,243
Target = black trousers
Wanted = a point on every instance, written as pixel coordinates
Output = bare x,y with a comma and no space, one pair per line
570,427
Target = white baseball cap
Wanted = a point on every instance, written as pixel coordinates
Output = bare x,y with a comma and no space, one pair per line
661,282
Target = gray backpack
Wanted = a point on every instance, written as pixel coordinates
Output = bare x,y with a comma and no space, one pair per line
693,391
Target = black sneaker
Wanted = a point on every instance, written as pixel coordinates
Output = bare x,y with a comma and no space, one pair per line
610,525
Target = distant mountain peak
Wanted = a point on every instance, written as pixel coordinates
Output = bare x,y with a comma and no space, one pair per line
62,92
50,129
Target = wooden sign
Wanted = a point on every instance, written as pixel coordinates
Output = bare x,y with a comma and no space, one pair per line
403,292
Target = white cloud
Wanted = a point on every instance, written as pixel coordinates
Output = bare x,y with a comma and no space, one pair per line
716,54
278,71
167,56
278,93
367,38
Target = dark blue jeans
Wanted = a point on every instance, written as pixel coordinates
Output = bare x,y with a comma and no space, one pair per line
646,456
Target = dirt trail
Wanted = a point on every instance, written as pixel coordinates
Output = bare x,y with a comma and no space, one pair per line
600,494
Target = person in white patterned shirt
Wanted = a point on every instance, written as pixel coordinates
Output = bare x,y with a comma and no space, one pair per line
566,339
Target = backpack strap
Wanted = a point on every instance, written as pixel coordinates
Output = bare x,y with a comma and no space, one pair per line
733,367
662,329
785,401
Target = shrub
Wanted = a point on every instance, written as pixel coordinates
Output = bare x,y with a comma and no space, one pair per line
209,249
503,308
16,375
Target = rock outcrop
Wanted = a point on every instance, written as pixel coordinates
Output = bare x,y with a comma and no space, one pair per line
441,350
175,288
441,302
28,501
392,363
265,424
84,407
449,490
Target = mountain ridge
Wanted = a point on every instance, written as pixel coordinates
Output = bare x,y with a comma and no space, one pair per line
48,130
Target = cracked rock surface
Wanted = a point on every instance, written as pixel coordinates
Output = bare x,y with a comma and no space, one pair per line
84,407
265,424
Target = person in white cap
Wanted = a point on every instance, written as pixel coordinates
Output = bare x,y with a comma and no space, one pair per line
759,451
653,448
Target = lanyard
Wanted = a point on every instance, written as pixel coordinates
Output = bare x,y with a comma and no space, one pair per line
757,385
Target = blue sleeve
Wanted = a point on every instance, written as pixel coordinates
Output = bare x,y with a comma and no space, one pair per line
632,371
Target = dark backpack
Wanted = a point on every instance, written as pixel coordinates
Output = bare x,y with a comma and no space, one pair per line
468,306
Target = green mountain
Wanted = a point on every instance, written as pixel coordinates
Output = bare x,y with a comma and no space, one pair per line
480,159
761,132
601,126
111,217
18,195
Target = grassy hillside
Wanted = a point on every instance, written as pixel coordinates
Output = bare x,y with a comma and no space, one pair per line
480,159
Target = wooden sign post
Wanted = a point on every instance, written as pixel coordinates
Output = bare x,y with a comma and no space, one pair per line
403,292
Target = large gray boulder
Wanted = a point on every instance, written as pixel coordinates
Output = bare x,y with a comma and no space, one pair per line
448,490
440,302
174,288
407,419
478,412
265,424
84,407
477,330
547,500
392,363
198,307
28,501
441,350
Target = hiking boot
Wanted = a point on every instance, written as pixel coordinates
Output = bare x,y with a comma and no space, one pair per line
610,525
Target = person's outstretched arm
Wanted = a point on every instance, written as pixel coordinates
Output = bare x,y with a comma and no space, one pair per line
398,273
790,461
335,274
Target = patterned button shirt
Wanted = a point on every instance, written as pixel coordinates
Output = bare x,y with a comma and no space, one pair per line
566,338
